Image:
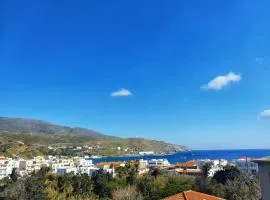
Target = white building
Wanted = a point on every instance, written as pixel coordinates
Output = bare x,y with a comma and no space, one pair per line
78,148
201,163
246,166
65,170
216,165
86,163
220,162
60,165
264,174
87,170
143,164
158,163
5,171
143,153
22,164
91,170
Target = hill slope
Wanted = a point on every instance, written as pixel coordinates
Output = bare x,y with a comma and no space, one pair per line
20,125
20,136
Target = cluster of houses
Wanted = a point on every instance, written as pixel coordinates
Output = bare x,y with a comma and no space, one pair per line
245,165
94,149
59,165
81,165
84,165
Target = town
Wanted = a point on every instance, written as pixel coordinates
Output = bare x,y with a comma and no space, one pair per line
64,166
83,165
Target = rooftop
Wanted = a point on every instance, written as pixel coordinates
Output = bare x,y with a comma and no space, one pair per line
189,171
186,164
115,164
192,195
262,160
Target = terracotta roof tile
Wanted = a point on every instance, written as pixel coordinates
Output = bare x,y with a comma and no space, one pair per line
115,164
192,195
179,196
189,171
186,164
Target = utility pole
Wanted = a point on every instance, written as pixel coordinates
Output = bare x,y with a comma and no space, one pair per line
247,165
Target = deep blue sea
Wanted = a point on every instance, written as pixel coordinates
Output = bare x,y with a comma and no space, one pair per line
195,155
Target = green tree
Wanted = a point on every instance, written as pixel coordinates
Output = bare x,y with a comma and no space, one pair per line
127,193
14,175
30,188
15,191
34,188
82,184
228,173
145,186
177,184
243,187
131,177
216,189
100,183
4,183
205,169
155,172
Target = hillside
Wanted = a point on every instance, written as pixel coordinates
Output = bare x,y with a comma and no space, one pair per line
27,137
20,125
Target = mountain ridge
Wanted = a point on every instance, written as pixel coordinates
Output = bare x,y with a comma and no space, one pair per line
36,133
23,125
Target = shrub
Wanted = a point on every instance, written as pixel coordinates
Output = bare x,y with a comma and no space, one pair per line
127,193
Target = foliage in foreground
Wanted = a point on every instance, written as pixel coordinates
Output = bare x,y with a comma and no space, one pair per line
230,184
155,185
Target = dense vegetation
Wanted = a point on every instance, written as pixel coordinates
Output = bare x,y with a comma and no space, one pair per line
228,183
24,137
127,185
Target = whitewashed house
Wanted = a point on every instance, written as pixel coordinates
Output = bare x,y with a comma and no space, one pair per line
158,163
65,170
143,153
246,166
5,171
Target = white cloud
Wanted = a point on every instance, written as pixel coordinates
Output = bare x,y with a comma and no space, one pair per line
220,82
121,93
265,114
259,60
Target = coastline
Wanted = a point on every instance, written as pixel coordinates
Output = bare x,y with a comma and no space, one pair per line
138,155
184,156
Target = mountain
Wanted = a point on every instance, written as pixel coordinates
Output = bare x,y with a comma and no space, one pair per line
20,125
21,136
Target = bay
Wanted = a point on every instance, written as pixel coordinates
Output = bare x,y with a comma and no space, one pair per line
195,155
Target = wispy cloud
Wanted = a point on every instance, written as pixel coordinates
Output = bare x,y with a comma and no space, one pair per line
259,60
220,82
121,93
265,114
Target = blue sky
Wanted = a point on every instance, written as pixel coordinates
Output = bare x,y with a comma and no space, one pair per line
189,72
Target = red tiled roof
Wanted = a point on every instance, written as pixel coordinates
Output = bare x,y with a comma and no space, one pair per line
192,195
179,196
189,171
115,164
186,164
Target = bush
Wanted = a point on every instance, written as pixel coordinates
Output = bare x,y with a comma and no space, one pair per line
177,184
127,193
243,187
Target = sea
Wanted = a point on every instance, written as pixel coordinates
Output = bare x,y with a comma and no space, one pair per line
184,156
